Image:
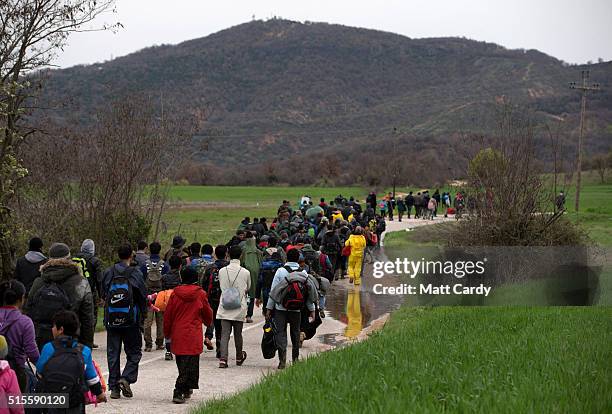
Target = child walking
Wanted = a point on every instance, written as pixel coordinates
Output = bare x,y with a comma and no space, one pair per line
63,362
187,310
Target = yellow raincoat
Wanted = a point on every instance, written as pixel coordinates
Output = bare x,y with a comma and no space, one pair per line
355,260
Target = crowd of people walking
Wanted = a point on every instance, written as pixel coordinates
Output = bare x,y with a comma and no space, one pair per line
50,310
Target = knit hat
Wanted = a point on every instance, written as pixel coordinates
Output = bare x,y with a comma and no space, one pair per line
189,275
3,347
88,246
59,251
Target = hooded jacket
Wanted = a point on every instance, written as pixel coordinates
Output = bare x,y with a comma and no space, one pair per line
251,259
8,386
18,329
27,268
357,243
67,274
94,265
187,310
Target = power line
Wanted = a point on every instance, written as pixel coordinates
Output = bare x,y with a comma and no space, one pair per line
585,89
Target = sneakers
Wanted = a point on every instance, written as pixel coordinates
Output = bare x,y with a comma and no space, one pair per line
222,364
95,346
168,356
148,348
188,394
160,347
124,386
322,313
178,398
115,394
249,319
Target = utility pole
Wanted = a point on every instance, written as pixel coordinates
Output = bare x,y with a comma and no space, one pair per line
584,88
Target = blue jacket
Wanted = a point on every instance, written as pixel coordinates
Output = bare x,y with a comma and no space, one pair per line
91,375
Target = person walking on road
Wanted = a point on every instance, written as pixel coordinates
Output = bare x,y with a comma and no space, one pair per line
27,268
235,282
124,294
357,243
187,310
282,316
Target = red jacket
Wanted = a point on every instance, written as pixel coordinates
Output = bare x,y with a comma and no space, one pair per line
187,310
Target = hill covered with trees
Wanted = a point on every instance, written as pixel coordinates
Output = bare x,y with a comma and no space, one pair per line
283,101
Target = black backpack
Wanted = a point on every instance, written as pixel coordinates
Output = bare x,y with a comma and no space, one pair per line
296,294
64,373
311,258
119,310
48,300
10,356
211,285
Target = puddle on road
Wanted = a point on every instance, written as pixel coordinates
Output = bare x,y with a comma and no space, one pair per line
358,306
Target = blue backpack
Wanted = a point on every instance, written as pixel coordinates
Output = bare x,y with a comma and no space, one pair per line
120,311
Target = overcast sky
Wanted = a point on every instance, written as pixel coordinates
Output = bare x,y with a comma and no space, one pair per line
572,30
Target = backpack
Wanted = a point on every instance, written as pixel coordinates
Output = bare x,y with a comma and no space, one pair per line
154,275
212,287
296,294
10,356
268,270
329,246
231,297
311,258
48,300
83,265
119,311
64,373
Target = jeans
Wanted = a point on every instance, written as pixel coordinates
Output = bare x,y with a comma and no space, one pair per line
322,299
226,331
282,318
131,338
158,317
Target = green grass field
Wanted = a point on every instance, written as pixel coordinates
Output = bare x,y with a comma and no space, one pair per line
440,359
453,359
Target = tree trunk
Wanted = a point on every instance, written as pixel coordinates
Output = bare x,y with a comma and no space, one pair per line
6,251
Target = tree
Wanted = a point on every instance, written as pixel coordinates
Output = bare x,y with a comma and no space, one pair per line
601,163
31,33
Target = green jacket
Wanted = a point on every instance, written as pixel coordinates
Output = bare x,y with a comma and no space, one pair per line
251,259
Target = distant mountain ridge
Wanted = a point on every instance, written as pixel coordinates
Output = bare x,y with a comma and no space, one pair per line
313,88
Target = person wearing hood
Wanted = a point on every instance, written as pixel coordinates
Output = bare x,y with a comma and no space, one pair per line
61,270
27,268
251,259
187,310
130,335
17,328
8,382
93,268
357,243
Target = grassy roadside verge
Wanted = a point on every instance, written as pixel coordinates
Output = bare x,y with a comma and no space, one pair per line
453,359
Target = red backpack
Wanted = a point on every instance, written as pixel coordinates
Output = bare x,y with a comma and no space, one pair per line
296,294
